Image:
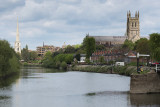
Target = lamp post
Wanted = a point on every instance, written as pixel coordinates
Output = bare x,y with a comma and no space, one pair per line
138,62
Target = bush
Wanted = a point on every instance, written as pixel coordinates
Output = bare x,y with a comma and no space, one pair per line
25,64
64,65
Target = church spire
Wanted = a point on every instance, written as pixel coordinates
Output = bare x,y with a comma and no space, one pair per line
17,36
17,46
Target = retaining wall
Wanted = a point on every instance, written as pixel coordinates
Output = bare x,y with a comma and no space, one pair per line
145,83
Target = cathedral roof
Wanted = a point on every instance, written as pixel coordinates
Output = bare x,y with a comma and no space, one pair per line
109,38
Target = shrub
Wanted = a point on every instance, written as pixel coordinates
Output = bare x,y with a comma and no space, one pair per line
64,65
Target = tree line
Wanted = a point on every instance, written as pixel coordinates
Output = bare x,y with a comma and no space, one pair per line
9,60
145,46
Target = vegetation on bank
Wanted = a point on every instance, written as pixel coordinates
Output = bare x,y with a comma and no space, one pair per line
9,60
122,70
59,61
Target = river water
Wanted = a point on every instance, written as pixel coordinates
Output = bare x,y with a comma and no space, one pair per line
40,87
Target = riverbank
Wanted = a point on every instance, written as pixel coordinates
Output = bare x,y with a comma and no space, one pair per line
146,83
122,70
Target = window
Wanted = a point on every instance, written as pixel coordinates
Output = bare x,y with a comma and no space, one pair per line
135,24
132,24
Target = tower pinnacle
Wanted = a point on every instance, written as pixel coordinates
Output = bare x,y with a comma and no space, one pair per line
17,47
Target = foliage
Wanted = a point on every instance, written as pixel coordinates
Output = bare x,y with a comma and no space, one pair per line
55,62
142,46
47,60
101,59
89,45
33,55
25,54
155,45
100,47
8,59
77,46
87,60
128,45
64,65
70,49
77,56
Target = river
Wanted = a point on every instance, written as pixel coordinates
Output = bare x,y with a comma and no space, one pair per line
40,87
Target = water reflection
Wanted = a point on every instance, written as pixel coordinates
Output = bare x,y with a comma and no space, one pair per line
40,87
145,100
7,81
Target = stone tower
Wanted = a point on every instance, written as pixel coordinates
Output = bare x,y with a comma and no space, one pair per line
17,46
133,29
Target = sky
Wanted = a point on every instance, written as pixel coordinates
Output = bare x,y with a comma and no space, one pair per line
57,21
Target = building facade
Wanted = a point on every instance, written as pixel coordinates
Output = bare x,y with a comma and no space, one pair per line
133,29
113,55
41,50
17,46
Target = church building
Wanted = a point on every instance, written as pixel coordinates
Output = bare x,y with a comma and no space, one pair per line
132,33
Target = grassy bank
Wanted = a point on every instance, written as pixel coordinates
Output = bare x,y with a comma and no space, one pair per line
122,70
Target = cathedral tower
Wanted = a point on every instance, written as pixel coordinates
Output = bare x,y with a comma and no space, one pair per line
17,46
133,29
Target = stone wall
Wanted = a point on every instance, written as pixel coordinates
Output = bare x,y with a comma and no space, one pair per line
145,83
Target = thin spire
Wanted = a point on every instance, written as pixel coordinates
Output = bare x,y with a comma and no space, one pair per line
17,36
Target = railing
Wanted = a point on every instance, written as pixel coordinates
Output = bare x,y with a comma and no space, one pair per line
157,67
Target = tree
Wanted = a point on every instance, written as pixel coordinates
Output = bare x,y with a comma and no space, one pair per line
155,45
77,56
47,60
33,55
8,59
128,45
70,49
100,47
101,59
25,54
142,46
89,45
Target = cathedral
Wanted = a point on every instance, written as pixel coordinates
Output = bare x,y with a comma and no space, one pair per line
17,46
132,33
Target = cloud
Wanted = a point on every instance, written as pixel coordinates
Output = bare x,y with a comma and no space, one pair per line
59,21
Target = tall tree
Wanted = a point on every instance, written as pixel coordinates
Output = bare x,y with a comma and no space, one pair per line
128,45
89,45
33,55
155,45
142,46
25,54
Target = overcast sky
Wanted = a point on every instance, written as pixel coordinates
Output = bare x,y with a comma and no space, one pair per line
57,21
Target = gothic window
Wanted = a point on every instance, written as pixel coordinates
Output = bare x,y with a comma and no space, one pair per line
135,24
132,24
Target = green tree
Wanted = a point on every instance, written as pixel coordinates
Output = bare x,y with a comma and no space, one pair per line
142,46
70,49
128,45
155,45
69,58
25,54
64,65
89,45
47,60
100,47
8,59
101,59
33,55
77,56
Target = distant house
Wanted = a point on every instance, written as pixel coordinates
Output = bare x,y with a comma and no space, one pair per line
82,58
130,57
41,50
113,55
